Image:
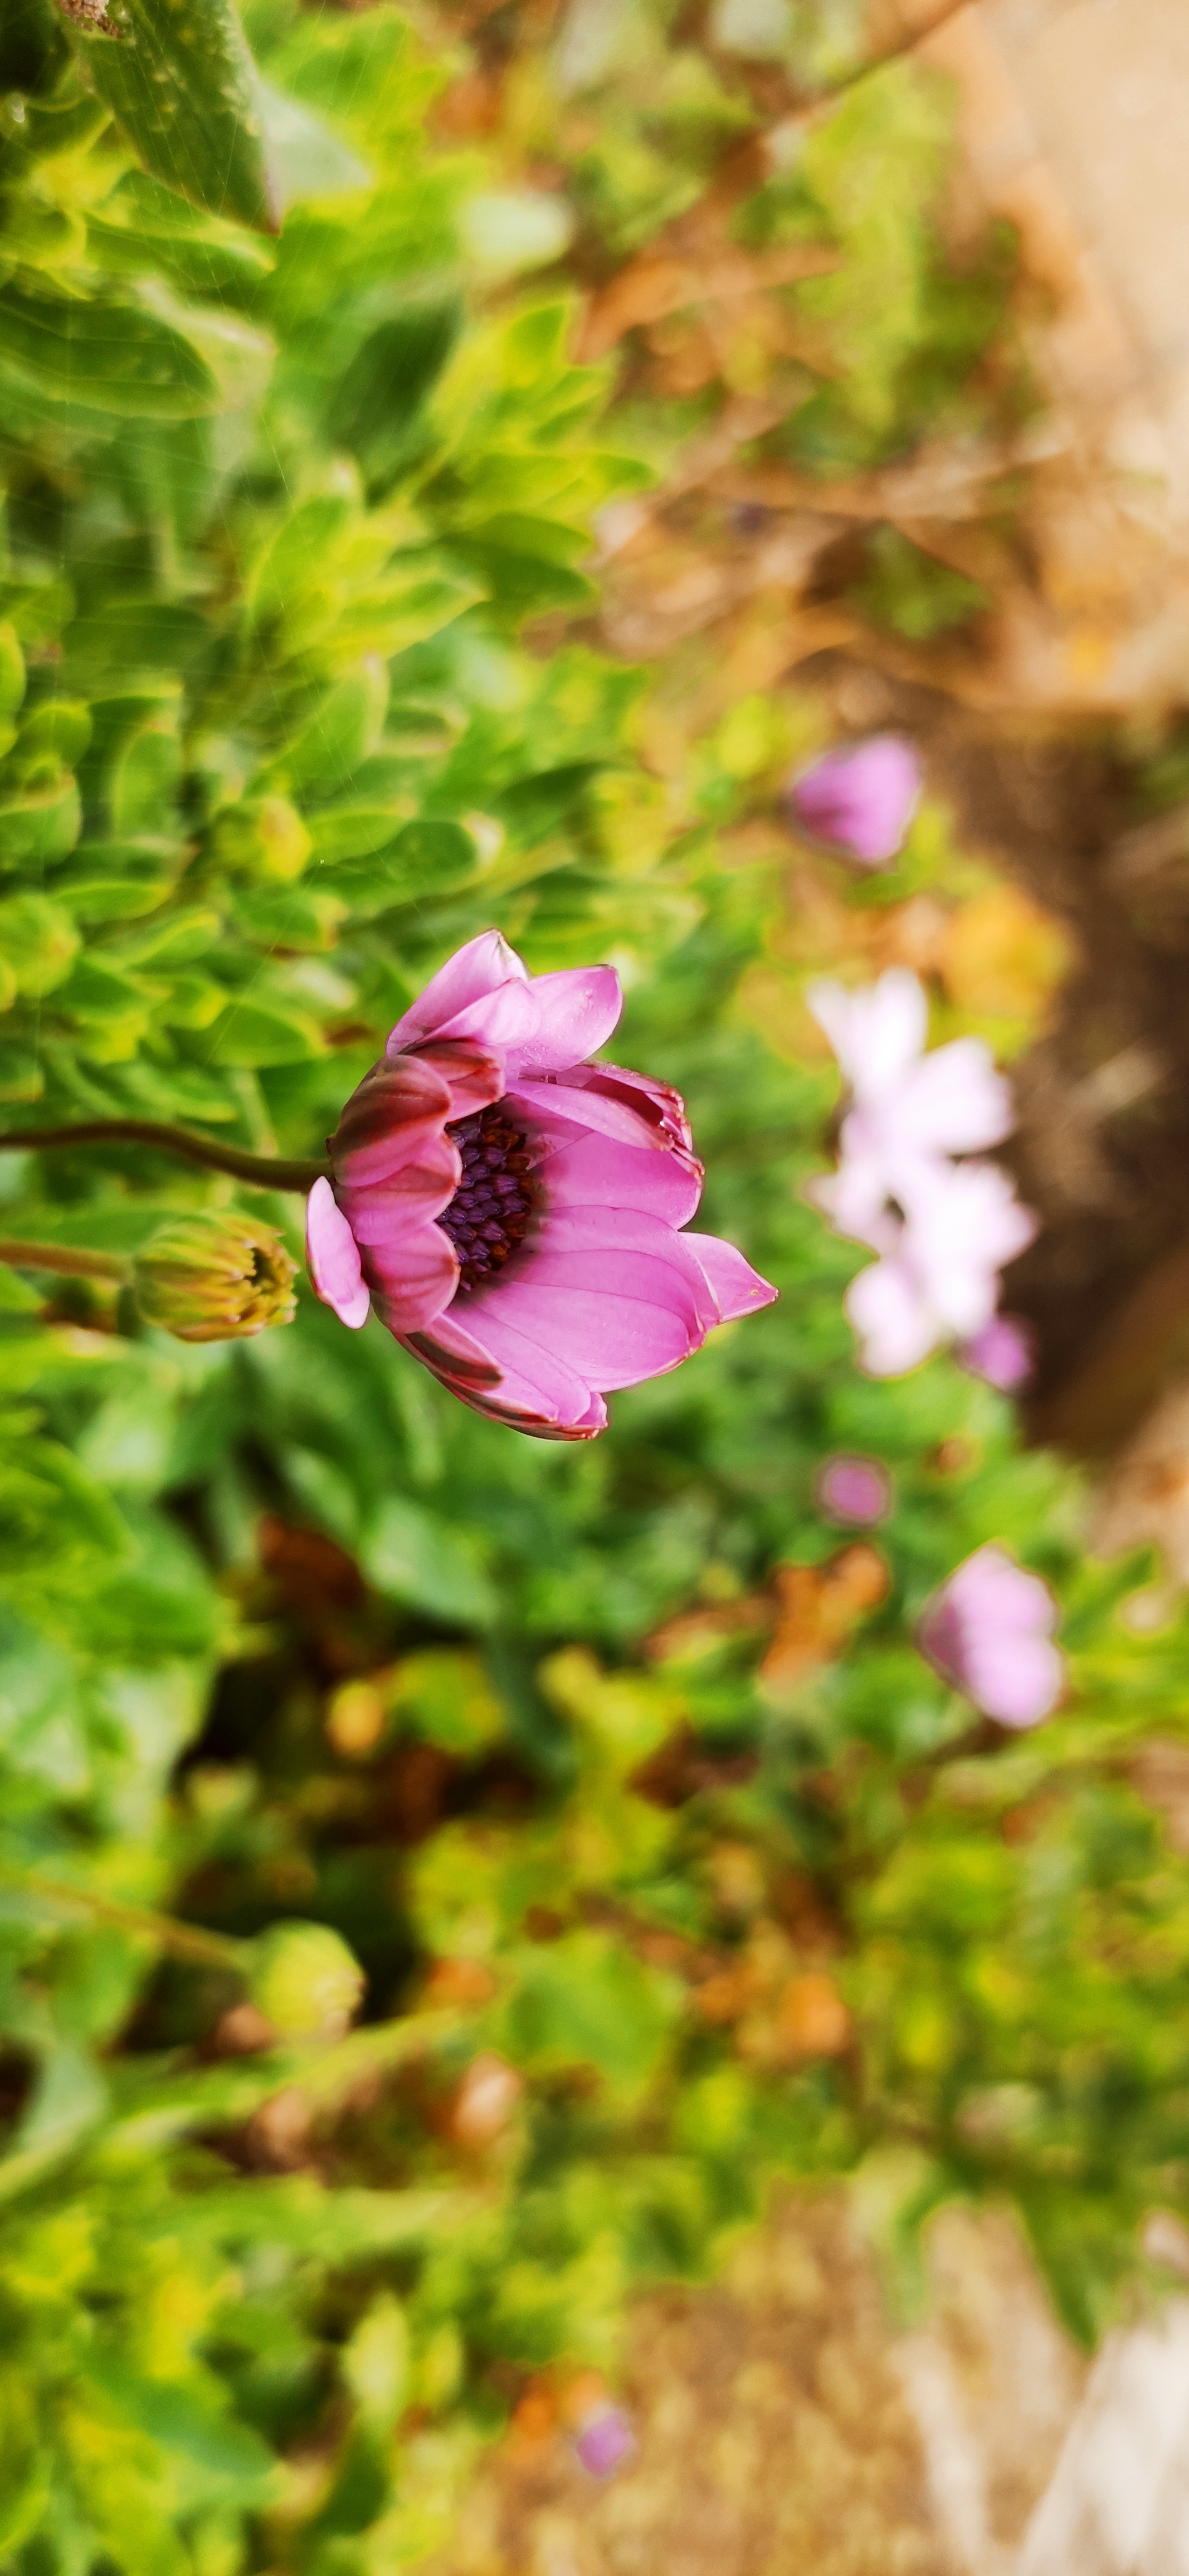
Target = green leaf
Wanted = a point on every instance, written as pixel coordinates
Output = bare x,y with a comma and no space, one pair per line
21,1076
263,1032
12,671
117,880
587,2000
337,737
434,1566
352,831
142,782
43,824
38,942
99,355
182,86
430,857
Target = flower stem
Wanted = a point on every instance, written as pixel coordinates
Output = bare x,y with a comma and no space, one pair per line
260,1171
64,1257
185,1940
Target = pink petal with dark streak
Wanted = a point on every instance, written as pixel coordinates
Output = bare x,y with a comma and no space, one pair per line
413,1279
395,1111
474,1078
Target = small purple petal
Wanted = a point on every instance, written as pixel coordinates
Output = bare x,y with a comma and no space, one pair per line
856,1491
1004,1353
860,800
605,2442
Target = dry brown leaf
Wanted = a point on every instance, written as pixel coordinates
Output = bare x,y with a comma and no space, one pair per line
811,2017
818,1607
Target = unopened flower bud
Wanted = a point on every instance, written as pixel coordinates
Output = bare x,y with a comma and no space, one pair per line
265,838
213,1276
305,1980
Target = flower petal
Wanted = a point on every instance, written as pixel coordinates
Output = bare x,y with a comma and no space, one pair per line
613,1320
513,1381
605,1238
596,1171
475,1078
954,1101
410,1197
499,1019
877,1033
895,1324
333,1257
560,1110
412,1279
576,1012
472,972
988,1630
388,1121
737,1289
655,1102
861,797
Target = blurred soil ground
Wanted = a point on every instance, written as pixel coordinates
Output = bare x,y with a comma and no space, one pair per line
784,2426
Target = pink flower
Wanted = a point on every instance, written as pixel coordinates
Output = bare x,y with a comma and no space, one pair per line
908,1107
989,1631
605,2441
942,1228
1004,1353
516,1212
939,1274
853,1490
860,800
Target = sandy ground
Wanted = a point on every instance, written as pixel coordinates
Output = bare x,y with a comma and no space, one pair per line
785,2426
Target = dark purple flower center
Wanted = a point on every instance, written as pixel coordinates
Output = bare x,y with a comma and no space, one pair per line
489,1213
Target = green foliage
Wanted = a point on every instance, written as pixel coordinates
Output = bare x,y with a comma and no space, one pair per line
353,1684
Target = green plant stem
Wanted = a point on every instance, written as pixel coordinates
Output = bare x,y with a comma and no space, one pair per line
260,1171
185,1940
64,1257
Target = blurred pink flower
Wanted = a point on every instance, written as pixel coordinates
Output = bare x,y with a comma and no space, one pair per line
942,1228
907,1107
605,2441
516,1212
939,1274
861,799
1004,1353
989,1631
854,1490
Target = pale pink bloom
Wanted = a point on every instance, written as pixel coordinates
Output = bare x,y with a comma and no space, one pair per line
943,1229
516,1212
857,1491
1004,1353
989,1631
861,799
939,1274
908,1107
605,2440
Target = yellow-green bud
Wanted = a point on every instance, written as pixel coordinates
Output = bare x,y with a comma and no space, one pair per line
305,1980
263,838
214,1276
